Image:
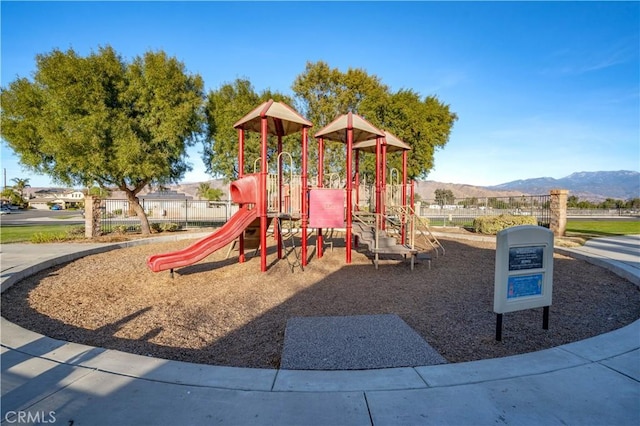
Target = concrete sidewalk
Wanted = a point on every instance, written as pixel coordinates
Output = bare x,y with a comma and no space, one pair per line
595,381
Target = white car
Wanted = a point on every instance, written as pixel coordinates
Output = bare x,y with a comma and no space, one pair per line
5,210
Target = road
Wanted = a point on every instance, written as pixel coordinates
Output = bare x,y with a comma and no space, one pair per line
42,217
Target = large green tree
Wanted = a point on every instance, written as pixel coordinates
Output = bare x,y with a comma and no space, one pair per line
224,107
102,120
323,93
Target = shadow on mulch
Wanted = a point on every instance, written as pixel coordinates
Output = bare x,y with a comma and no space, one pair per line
450,306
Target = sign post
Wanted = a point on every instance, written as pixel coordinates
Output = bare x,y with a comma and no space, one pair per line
523,272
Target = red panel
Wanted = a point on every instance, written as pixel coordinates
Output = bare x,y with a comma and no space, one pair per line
326,208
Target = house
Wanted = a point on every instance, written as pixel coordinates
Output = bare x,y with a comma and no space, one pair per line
66,199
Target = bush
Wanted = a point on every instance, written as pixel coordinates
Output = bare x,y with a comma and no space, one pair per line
493,224
155,227
75,232
70,234
120,229
43,237
169,227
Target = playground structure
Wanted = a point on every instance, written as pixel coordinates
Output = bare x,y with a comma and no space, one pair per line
273,196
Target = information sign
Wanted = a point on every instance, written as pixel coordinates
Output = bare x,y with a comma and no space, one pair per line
523,271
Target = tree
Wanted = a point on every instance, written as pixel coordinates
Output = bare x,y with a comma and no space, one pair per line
98,192
423,123
323,93
13,197
444,196
19,187
572,201
206,191
224,107
99,119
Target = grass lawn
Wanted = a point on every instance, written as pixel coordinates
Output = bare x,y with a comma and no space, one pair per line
601,228
57,232
25,233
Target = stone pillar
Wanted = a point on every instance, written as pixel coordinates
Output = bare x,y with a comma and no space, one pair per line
558,223
91,216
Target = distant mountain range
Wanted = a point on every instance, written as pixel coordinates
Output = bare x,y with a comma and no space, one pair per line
593,186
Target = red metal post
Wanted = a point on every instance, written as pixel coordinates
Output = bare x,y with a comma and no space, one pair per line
320,185
241,257
262,195
378,174
305,193
349,185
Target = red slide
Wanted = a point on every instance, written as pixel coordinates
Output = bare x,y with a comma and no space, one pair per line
205,246
243,191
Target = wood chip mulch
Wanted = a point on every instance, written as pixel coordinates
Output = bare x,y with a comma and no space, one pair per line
223,312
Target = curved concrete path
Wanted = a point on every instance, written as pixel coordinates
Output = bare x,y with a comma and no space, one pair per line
594,381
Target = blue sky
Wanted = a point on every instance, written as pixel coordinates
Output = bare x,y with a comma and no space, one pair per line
540,88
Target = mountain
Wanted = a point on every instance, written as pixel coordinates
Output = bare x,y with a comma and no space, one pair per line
593,186
427,190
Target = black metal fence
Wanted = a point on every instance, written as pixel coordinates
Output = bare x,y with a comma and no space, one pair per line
462,211
184,214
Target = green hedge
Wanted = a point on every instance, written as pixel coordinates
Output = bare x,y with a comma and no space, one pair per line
493,224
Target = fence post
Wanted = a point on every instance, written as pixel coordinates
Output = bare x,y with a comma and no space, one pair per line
92,215
558,206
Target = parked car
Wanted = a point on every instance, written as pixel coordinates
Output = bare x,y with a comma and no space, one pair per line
56,207
4,209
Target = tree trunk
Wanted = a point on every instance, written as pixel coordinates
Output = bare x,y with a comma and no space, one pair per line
135,204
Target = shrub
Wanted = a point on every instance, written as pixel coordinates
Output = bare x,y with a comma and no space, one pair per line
493,224
42,237
155,227
120,229
170,227
75,232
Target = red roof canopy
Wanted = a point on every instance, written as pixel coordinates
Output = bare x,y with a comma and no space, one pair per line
282,120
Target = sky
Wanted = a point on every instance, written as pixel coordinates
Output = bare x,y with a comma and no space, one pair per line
541,89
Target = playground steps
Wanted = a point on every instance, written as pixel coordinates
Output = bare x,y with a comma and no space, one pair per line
386,245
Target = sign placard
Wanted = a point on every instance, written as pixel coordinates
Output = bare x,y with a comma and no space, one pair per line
524,285
524,272
525,258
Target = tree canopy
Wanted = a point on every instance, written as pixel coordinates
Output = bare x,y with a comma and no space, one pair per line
99,119
224,107
321,94
424,124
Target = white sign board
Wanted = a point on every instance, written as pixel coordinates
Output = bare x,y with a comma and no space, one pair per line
524,268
